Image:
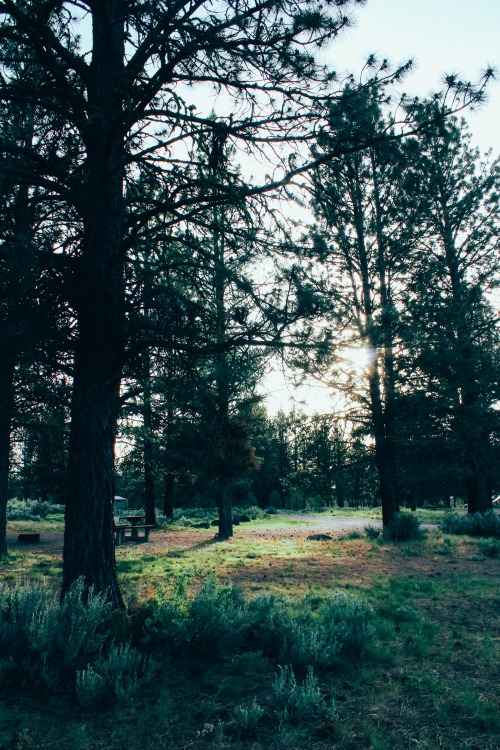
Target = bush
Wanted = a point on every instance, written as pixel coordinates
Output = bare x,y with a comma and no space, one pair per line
372,532
402,528
48,642
490,548
114,678
30,510
342,625
253,512
210,625
298,702
248,717
47,645
478,524
349,622
218,623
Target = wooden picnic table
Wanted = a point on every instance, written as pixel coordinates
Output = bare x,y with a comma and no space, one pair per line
136,524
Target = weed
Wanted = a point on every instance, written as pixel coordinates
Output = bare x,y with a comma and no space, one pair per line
372,532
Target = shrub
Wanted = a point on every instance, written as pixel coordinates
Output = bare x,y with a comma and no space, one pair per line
253,512
248,717
446,548
30,510
298,702
210,625
351,536
348,622
216,620
48,642
44,644
478,524
402,528
372,532
114,677
342,625
489,548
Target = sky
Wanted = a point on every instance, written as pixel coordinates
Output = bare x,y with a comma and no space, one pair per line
442,36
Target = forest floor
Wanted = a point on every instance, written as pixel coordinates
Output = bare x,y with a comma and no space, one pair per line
428,682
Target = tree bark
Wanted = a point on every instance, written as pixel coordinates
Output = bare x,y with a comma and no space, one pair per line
99,303
471,418
384,453
225,509
6,408
148,450
168,498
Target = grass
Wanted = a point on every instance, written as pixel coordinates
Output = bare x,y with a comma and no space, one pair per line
427,680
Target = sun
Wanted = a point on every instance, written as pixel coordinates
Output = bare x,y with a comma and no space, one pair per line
359,357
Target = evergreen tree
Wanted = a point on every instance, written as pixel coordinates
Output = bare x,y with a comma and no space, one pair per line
453,336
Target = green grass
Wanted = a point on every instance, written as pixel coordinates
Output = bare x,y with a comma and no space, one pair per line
426,681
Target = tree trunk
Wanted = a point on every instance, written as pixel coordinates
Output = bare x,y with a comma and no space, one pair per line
148,450
6,407
100,307
168,498
224,467
383,457
225,510
471,418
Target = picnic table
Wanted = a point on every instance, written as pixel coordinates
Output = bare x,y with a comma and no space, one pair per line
135,524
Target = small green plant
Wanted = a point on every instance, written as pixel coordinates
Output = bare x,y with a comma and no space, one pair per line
115,677
249,716
351,536
446,548
403,527
372,532
349,621
299,701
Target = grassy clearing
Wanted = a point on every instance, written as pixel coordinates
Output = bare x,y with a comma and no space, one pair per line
426,677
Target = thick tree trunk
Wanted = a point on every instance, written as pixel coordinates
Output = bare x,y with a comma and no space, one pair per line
99,302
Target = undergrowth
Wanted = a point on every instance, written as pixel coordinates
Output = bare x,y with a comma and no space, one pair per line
477,524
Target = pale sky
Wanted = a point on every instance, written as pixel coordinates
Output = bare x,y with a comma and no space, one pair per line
442,36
